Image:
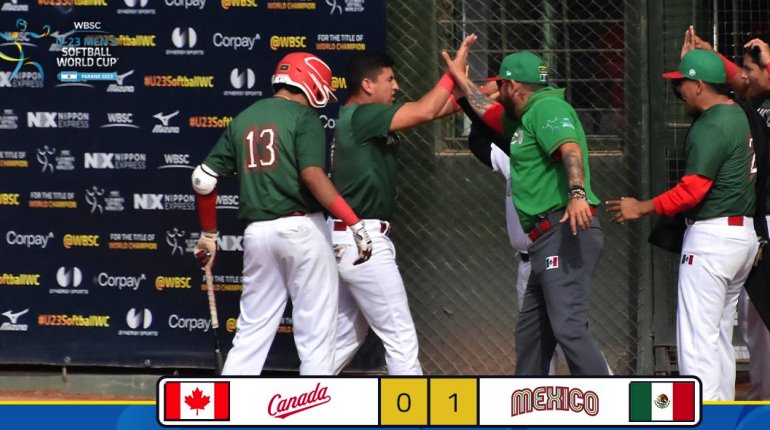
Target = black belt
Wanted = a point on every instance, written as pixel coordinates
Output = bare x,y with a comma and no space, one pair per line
524,257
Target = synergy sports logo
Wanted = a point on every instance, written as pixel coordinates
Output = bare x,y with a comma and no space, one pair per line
13,321
136,7
282,408
138,321
185,40
69,277
164,127
69,280
243,80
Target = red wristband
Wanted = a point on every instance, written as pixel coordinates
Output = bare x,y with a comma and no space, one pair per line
207,210
731,69
446,82
341,210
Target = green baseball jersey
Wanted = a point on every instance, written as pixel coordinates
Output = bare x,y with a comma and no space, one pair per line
718,148
267,146
364,158
539,182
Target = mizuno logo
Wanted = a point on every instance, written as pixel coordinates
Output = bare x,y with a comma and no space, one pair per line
165,118
14,316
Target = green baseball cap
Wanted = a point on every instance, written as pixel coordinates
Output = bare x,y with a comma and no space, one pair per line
524,67
699,64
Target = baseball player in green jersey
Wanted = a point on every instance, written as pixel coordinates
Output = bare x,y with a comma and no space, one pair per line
716,194
364,170
550,183
277,148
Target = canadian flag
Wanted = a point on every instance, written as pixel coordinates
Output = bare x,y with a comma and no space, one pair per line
197,401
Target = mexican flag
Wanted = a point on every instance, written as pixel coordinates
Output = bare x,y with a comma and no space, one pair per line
196,401
662,401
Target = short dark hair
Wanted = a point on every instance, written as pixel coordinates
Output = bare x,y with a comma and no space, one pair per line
365,65
754,52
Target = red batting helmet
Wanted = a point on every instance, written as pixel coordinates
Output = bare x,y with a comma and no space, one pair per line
308,73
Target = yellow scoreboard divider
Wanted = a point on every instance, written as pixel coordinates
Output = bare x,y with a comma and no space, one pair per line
410,401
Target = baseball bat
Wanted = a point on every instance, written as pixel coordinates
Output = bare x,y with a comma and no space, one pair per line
218,358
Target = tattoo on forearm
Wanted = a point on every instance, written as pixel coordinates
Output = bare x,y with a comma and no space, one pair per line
573,164
477,99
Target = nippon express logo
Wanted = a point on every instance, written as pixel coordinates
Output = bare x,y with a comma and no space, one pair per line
283,407
119,119
58,119
165,126
164,202
184,39
13,324
21,80
136,7
101,201
115,160
14,6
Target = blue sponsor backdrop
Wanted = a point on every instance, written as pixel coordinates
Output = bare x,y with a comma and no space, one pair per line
105,108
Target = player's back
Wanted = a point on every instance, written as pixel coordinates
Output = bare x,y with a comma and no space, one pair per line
272,141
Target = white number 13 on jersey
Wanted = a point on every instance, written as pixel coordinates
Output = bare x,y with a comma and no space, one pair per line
260,145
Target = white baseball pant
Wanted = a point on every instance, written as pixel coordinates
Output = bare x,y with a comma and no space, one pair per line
757,339
290,257
716,259
373,293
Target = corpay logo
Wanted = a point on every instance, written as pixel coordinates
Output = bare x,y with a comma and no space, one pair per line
136,319
69,278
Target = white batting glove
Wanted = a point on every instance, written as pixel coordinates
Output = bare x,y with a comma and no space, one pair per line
363,242
206,249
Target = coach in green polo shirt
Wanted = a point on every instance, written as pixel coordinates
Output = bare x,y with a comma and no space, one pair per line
551,190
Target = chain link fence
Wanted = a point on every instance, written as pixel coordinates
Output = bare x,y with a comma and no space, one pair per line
454,254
